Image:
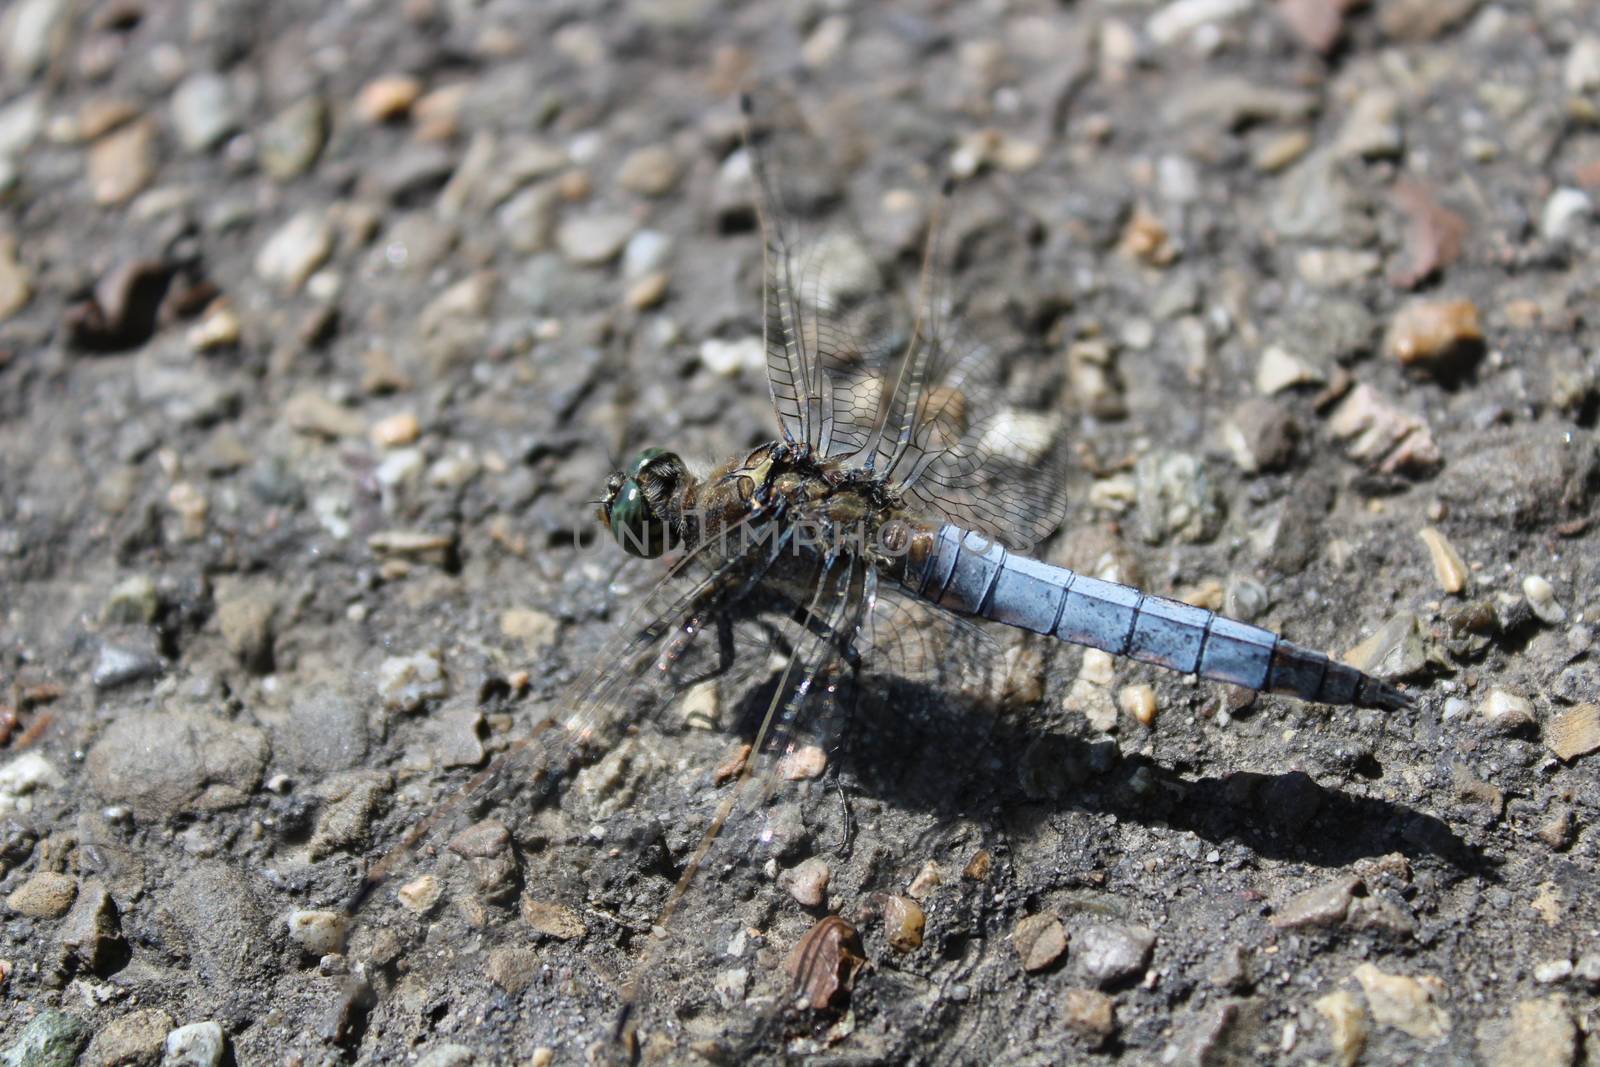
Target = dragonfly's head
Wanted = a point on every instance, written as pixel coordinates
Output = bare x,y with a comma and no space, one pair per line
639,499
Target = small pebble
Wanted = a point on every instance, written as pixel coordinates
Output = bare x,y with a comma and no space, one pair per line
388,98
1506,710
291,142
594,240
1280,370
1448,569
122,163
1347,1025
317,932
1040,940
119,665
1435,335
134,1038
1405,1003
1542,599
1552,971
730,357
394,431
45,895
1089,1012
296,250
903,923
552,920
1564,214
204,111
1139,702
195,1045
650,171
803,763
648,291
217,329
807,882
1111,954
420,894
927,879
51,1039
1372,130
405,683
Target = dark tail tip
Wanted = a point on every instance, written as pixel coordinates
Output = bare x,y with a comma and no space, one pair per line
746,104
1379,694
948,186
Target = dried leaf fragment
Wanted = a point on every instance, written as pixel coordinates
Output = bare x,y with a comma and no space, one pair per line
824,963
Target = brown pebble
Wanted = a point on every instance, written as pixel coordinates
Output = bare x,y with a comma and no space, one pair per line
553,920
122,163
1448,569
45,895
903,923
648,291
388,98
1435,335
979,866
807,882
1040,940
394,431
1089,1012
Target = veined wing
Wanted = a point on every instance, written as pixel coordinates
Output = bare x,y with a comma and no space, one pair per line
829,323
853,374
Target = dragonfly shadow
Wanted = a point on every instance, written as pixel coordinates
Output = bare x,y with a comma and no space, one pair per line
915,746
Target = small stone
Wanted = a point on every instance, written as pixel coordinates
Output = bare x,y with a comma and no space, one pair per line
903,923
1180,18
91,934
405,683
534,628
1040,940
1574,732
650,171
647,251
1260,435
1138,702
552,920
318,932
293,139
1283,149
219,328
195,1045
807,882
45,895
1435,335
927,879
1347,1025
1383,436
1234,101
1323,905
728,358
1280,370
1550,972
120,665
1505,710
1448,569
296,250
16,288
1112,954
1089,1012
122,163
134,1039
803,763
34,32
388,98
1423,20
1587,969
395,431
648,291
1540,1033
51,1039
246,612
420,894
21,777
314,414
1542,599
1407,1004
133,601
1372,129
204,111
1564,214
1177,500
594,240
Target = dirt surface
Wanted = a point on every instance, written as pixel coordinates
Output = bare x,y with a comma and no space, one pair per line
320,325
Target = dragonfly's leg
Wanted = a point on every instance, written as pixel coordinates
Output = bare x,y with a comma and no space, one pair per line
725,652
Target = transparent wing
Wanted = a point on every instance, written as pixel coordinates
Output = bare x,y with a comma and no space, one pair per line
829,328
914,395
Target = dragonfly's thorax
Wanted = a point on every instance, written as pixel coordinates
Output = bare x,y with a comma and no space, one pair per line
817,505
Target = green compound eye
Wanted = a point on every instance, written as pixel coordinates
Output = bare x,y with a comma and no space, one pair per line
636,528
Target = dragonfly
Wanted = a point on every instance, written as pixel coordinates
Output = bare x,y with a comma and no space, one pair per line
896,511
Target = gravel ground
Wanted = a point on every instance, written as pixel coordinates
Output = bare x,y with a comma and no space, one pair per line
318,327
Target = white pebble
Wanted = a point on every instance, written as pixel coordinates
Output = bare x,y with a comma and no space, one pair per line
317,933
1542,599
1506,710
